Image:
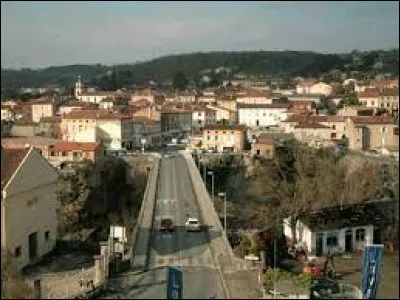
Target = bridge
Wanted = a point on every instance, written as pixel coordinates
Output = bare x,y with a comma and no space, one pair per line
175,189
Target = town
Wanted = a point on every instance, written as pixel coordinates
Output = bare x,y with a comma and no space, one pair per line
230,182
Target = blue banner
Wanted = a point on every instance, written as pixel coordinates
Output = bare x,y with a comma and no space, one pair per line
372,265
174,285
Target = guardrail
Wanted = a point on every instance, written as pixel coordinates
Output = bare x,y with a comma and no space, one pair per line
146,210
219,245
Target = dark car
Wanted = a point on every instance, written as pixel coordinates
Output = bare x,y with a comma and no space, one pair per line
166,224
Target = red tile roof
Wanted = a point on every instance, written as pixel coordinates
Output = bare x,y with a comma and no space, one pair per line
369,93
274,105
224,127
70,146
311,125
390,92
94,114
373,120
11,159
265,141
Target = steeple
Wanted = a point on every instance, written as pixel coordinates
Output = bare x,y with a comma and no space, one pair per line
78,87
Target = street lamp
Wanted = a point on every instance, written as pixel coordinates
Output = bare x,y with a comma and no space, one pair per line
223,194
211,173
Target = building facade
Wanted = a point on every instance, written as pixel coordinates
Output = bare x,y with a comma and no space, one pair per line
28,206
224,137
262,115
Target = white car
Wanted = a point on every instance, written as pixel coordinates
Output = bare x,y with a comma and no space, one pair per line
192,224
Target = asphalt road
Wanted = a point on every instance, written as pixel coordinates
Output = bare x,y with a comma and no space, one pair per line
188,251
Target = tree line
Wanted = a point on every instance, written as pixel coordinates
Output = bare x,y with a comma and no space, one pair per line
276,63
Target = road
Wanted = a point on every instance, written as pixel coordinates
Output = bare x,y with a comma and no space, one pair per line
188,251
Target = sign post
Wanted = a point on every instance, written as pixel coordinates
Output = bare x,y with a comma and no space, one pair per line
175,282
372,263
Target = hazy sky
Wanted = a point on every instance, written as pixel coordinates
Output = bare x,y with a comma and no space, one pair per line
39,34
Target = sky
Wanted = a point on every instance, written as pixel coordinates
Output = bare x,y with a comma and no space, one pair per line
40,34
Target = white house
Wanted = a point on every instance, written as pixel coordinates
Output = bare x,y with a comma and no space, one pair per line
342,229
82,94
28,205
113,129
310,87
202,116
6,113
264,115
42,108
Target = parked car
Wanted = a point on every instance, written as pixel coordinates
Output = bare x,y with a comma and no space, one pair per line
192,224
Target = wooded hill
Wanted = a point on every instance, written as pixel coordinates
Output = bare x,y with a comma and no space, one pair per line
273,63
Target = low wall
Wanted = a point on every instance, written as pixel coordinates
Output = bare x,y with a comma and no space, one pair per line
142,232
65,285
219,244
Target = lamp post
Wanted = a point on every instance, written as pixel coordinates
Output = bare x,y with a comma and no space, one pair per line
223,194
211,173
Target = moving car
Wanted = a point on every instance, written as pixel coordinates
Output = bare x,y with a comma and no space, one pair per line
166,225
192,224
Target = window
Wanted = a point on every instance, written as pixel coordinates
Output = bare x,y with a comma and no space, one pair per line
268,152
47,235
64,153
333,135
332,240
387,105
17,251
208,137
199,114
258,151
52,153
216,137
383,129
334,127
360,235
372,103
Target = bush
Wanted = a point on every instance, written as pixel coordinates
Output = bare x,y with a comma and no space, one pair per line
303,280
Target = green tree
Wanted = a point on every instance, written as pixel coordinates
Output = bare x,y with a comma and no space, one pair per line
180,81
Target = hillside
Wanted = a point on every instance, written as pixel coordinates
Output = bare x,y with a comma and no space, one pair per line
282,63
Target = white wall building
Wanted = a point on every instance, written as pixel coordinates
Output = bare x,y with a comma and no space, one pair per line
321,240
114,130
41,109
202,117
28,206
308,87
262,115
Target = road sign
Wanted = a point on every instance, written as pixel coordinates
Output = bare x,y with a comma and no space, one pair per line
372,262
175,282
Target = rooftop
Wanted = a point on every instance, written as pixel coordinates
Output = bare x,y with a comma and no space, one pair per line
70,146
224,127
312,125
11,159
94,114
273,105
